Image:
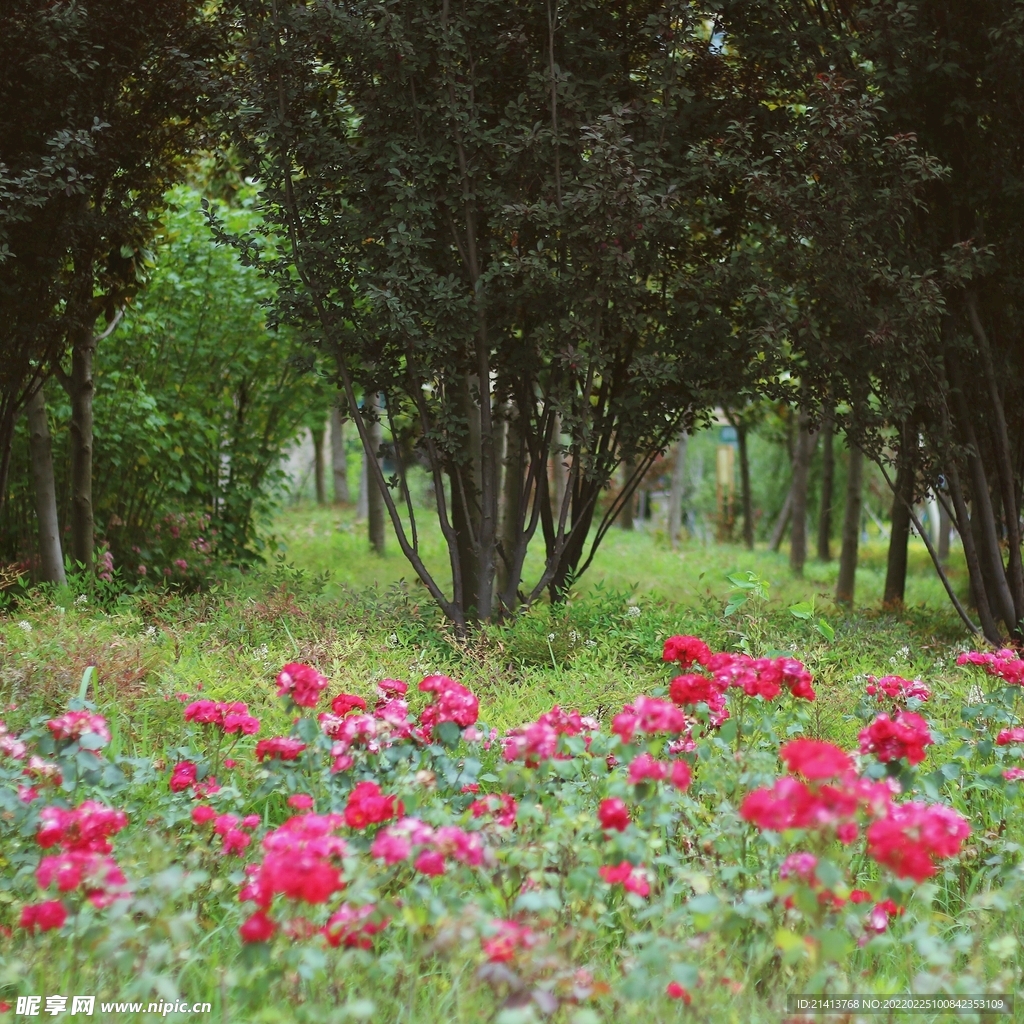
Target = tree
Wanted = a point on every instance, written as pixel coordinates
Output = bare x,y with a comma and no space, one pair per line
339,456
851,528
100,102
950,361
742,418
828,464
677,492
196,399
899,537
50,555
197,395
479,214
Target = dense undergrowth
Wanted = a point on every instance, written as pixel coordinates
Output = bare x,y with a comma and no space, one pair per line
599,923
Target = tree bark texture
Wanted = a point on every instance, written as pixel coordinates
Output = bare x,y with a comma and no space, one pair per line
899,537
675,498
1007,488
374,499
801,467
319,474
966,531
781,522
82,388
626,516
51,559
828,468
511,513
362,501
846,583
745,495
339,457
991,573
944,528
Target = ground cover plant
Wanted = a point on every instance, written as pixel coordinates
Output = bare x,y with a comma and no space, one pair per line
357,835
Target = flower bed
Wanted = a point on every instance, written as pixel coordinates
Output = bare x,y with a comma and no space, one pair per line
574,868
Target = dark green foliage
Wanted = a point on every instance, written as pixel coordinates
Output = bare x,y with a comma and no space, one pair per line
195,401
942,366
98,101
493,213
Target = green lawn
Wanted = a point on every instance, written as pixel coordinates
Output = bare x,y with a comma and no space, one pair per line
329,539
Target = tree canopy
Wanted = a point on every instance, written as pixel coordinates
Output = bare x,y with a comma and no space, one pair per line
535,241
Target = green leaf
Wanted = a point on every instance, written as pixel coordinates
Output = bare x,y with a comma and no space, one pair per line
835,944
448,733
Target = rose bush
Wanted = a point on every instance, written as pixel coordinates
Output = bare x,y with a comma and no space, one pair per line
698,841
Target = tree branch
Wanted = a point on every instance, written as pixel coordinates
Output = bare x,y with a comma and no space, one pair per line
931,551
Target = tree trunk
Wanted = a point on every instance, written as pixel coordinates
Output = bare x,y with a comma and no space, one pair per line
1007,489
362,502
983,522
896,564
801,466
896,567
339,457
745,495
559,471
511,509
966,531
318,466
779,529
584,504
675,498
83,527
989,553
462,523
846,583
7,421
828,464
51,560
627,513
375,511
944,528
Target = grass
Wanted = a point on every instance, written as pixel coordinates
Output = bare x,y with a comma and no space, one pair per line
329,539
369,621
